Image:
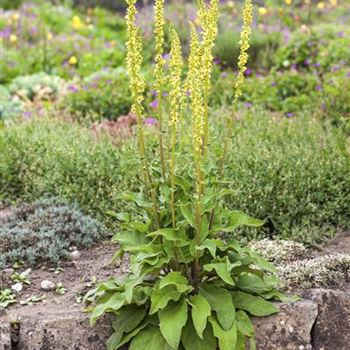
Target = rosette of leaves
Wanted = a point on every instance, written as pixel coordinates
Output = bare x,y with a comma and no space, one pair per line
185,293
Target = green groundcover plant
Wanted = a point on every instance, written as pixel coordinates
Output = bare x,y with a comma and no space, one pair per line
187,289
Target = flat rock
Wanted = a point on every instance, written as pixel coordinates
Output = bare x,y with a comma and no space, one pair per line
66,331
290,329
332,327
5,336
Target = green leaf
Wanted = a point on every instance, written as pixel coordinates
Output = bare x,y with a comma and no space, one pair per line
249,282
171,321
161,297
238,218
244,324
170,235
255,305
221,270
191,341
176,279
220,300
200,313
209,244
108,302
113,345
188,214
227,339
128,318
149,339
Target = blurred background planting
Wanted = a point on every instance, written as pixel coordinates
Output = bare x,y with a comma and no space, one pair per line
67,131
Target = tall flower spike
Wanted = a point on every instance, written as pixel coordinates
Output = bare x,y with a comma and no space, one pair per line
134,60
159,23
244,46
175,68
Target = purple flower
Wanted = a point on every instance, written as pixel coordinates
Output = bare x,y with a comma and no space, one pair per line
166,56
165,94
27,115
248,72
348,74
6,32
150,121
335,68
319,88
73,88
217,61
154,103
247,104
340,34
224,74
290,114
154,93
273,83
307,62
108,81
317,64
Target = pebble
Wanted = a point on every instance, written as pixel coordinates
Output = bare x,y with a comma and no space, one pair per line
72,248
9,271
47,285
75,254
17,287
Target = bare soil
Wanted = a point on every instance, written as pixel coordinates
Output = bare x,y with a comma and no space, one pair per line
78,276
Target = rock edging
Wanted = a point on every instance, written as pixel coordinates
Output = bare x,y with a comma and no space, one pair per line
319,322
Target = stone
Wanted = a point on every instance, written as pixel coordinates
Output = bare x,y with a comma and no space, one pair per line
5,336
75,254
17,287
332,327
65,331
47,285
290,329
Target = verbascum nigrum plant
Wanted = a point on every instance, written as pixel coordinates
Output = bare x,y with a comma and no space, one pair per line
188,287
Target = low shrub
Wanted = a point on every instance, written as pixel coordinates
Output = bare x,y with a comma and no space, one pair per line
262,50
292,172
323,48
10,107
44,231
51,158
102,95
40,86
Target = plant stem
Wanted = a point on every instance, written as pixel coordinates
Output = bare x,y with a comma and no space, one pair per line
160,130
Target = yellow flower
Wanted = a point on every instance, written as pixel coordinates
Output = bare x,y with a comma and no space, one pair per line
15,17
288,2
77,23
73,60
113,43
244,46
175,71
230,4
262,11
13,38
49,36
159,23
333,2
307,2
321,5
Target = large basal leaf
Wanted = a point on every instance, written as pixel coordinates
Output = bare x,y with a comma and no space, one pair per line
161,297
149,339
255,305
249,282
244,324
221,270
128,318
227,339
191,341
220,300
177,280
108,302
238,218
171,321
200,313
115,343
